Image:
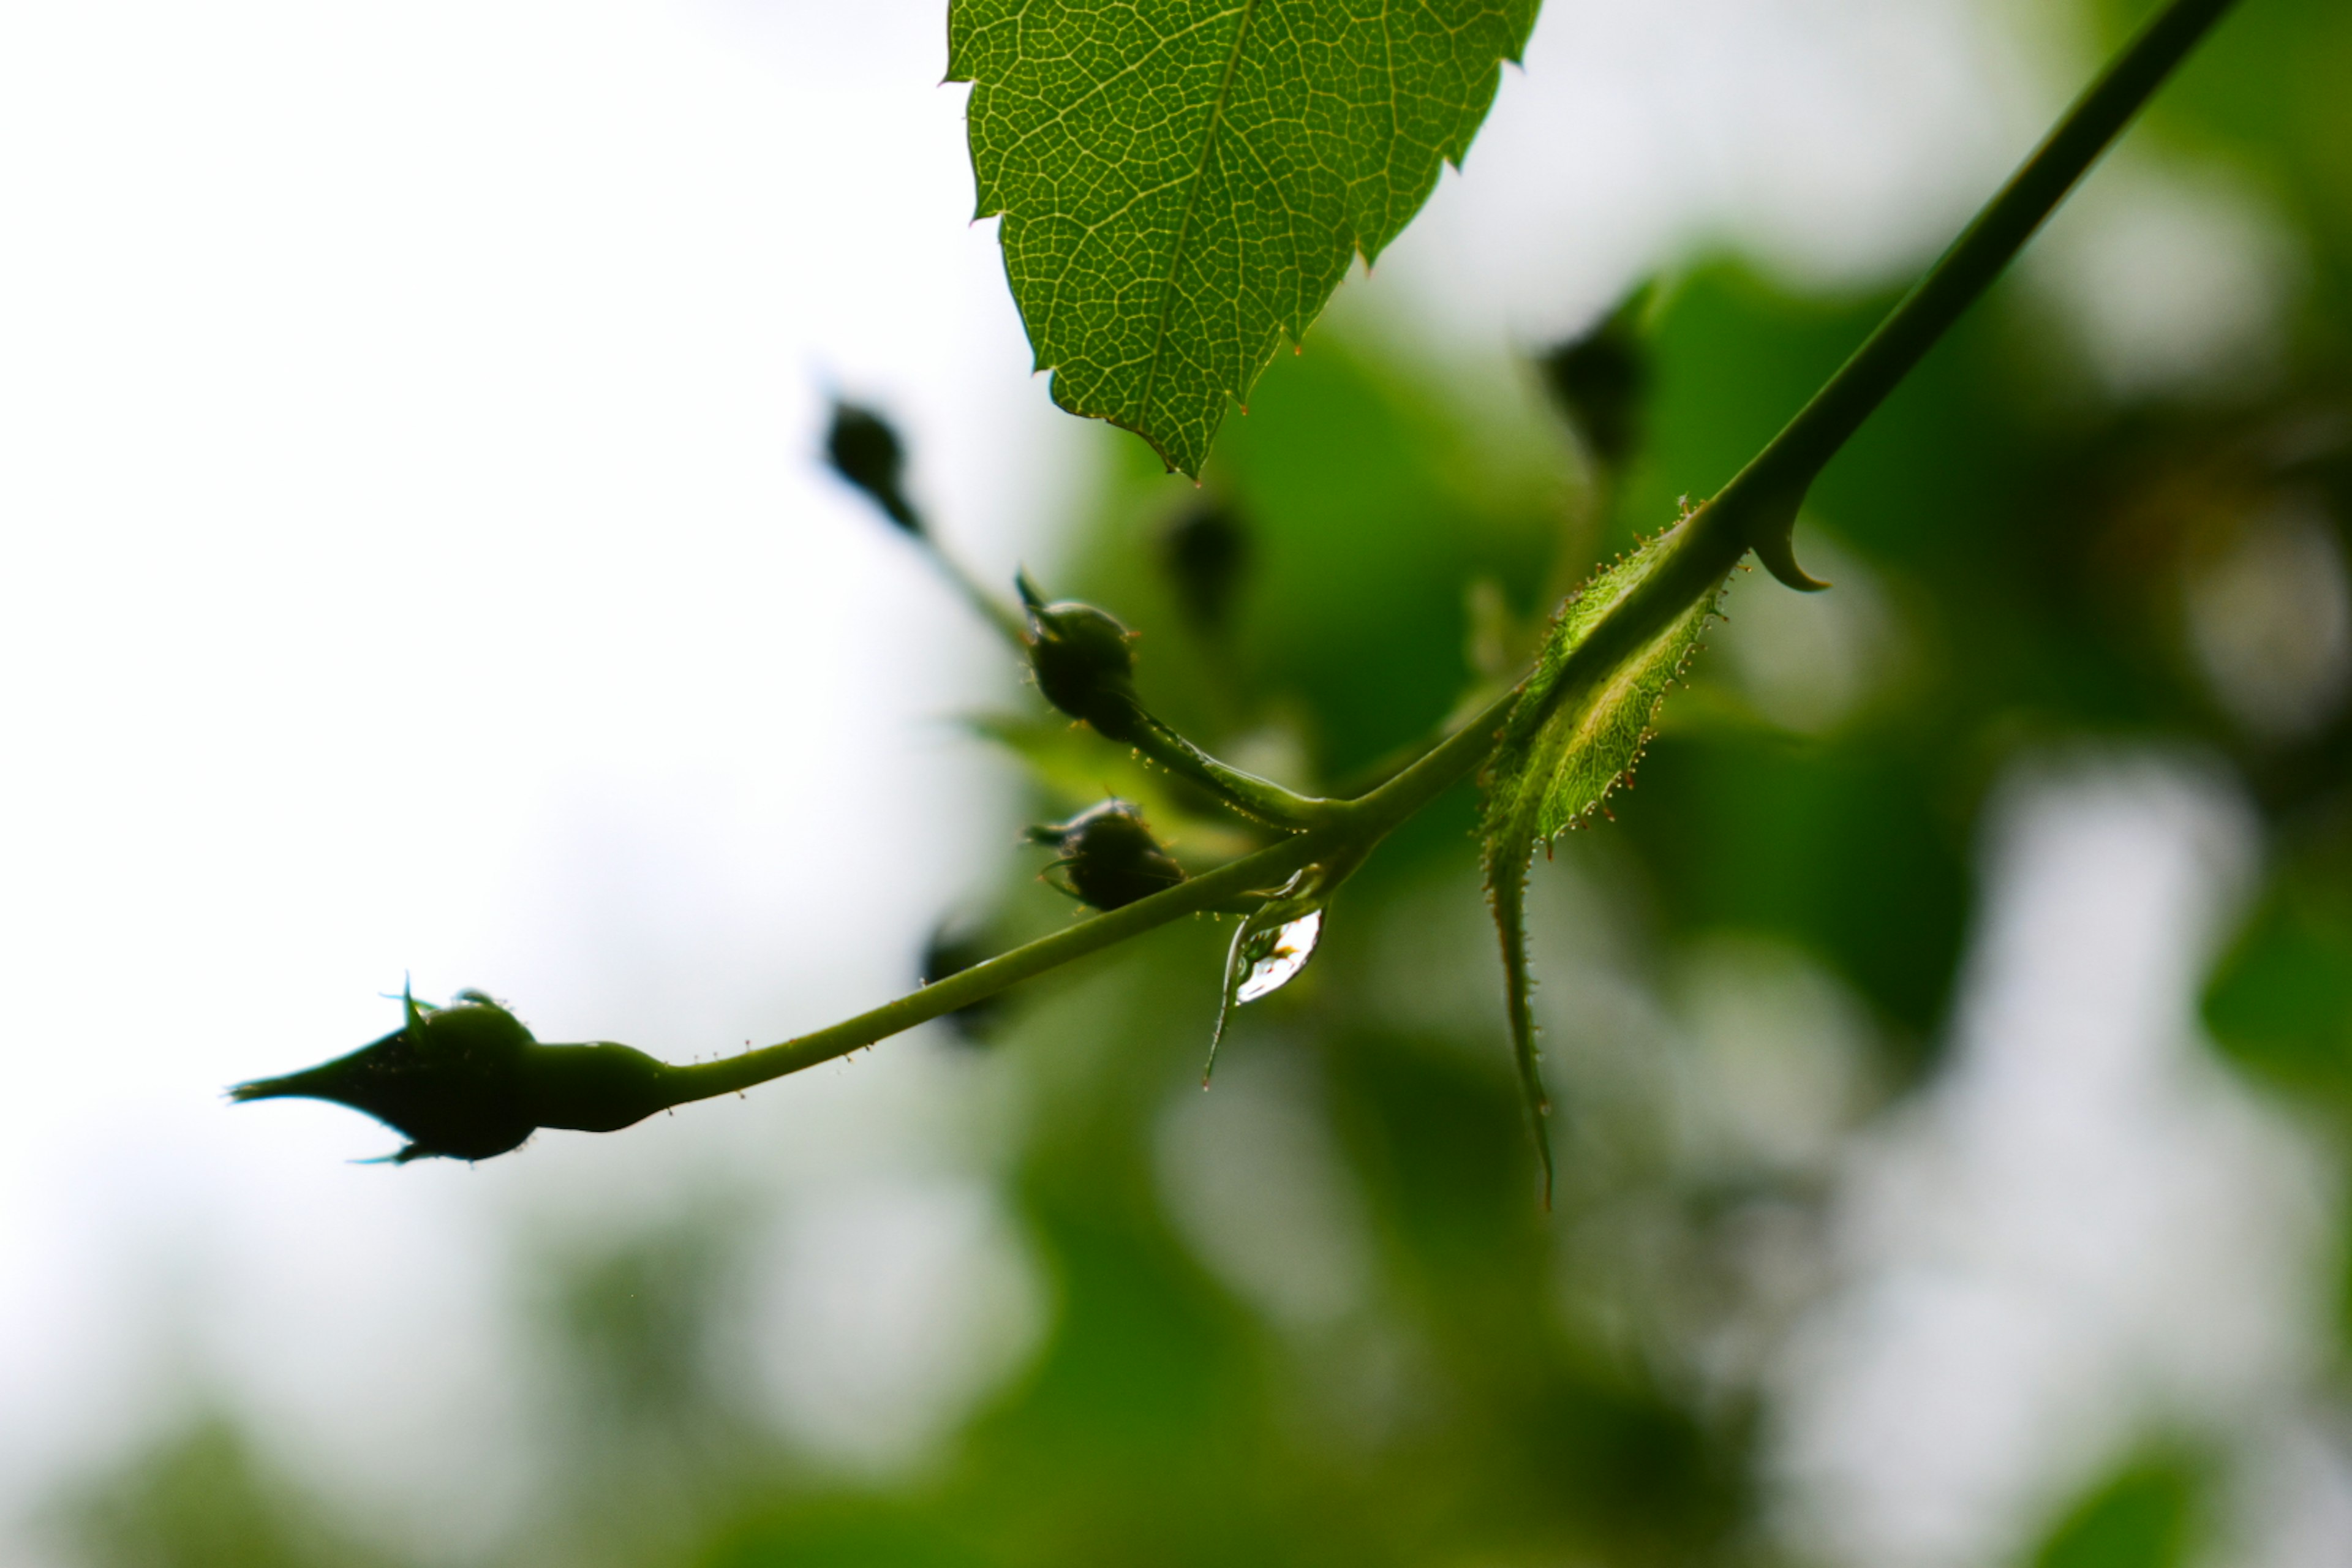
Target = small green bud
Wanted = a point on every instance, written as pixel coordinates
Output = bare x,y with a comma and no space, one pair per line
468,1082
1083,663
1109,857
866,451
955,946
1205,548
1601,381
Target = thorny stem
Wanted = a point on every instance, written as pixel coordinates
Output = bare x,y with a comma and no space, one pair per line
1755,511
1770,489
1758,510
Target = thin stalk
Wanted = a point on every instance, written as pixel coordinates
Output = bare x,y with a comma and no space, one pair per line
991,607
1082,665
1247,793
1267,869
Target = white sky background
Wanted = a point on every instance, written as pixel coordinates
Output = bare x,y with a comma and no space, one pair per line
412,560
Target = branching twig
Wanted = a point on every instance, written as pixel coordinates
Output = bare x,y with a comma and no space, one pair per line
1756,511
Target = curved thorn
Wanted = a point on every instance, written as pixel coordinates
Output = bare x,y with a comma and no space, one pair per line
1777,551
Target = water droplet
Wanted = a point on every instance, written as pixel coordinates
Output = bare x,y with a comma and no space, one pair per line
1267,953
1276,956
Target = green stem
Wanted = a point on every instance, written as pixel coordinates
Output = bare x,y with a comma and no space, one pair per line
1753,512
1083,666
1247,792
1268,868
1357,826
993,607
1769,491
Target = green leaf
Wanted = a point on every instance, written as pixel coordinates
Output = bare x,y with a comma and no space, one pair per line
1183,182
1572,739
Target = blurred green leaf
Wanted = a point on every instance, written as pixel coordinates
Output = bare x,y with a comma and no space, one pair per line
1375,490
845,1532
202,1500
2266,93
2280,1003
1842,849
2140,1517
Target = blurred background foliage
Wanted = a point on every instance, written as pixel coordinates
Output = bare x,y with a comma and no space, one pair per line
1318,1315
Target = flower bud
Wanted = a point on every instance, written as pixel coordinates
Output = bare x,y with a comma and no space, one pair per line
866,451
954,946
1083,663
1109,857
468,1082
1601,381
1205,549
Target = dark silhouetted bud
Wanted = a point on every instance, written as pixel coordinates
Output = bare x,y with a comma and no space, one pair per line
1083,663
468,1082
1109,857
954,947
1602,381
1205,549
865,450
